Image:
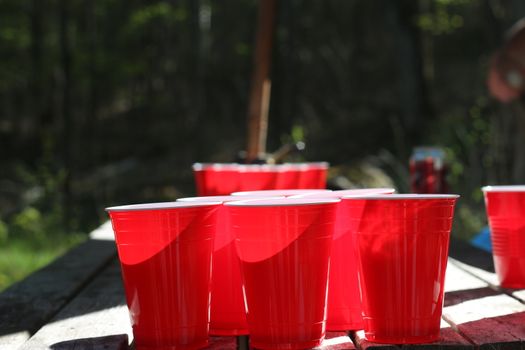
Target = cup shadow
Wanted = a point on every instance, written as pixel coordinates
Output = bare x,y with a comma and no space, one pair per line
110,342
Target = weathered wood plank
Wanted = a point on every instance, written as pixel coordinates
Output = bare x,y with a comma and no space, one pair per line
457,279
96,318
103,232
29,304
361,343
468,254
337,341
486,275
494,322
449,340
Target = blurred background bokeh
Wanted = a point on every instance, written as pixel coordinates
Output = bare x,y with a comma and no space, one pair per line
110,102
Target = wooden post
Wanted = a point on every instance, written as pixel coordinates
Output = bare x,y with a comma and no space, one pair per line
259,102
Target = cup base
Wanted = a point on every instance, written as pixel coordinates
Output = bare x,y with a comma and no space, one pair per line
193,346
286,346
228,332
344,327
401,339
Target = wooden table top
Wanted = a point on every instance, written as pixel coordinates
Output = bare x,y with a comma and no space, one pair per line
77,302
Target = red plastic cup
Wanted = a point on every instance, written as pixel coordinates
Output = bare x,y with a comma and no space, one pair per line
344,304
287,177
402,248
165,253
255,177
505,207
313,175
285,193
215,179
284,248
227,310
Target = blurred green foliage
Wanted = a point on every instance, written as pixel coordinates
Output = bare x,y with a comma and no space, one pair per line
110,102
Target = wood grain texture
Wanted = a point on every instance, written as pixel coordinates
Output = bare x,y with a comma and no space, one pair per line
485,275
449,340
96,319
494,321
27,305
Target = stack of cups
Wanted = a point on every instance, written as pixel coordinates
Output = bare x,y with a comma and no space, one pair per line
165,252
284,249
401,243
344,305
505,207
271,267
213,179
227,309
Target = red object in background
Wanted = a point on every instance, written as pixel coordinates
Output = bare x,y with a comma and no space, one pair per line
505,207
284,248
428,171
402,249
223,179
216,179
506,77
257,177
165,253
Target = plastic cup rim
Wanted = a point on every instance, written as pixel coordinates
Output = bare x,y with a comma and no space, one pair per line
160,206
223,199
402,196
504,188
359,192
281,202
217,166
284,192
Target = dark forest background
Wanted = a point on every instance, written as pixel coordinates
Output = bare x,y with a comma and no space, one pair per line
110,102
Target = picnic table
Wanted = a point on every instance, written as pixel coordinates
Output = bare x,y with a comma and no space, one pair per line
77,302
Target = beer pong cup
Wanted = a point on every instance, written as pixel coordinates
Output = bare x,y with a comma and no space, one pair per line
255,177
287,177
344,304
402,244
313,175
505,207
227,309
215,179
284,248
165,253
285,193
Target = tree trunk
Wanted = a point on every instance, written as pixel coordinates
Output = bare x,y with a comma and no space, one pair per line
260,90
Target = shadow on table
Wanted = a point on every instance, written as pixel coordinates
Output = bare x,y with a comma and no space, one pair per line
110,342
470,255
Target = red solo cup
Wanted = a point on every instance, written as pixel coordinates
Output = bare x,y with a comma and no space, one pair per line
287,177
214,179
227,310
318,174
294,171
165,254
402,248
313,175
256,177
505,207
284,249
285,193
344,304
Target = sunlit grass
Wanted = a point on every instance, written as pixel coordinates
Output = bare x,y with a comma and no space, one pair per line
19,257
